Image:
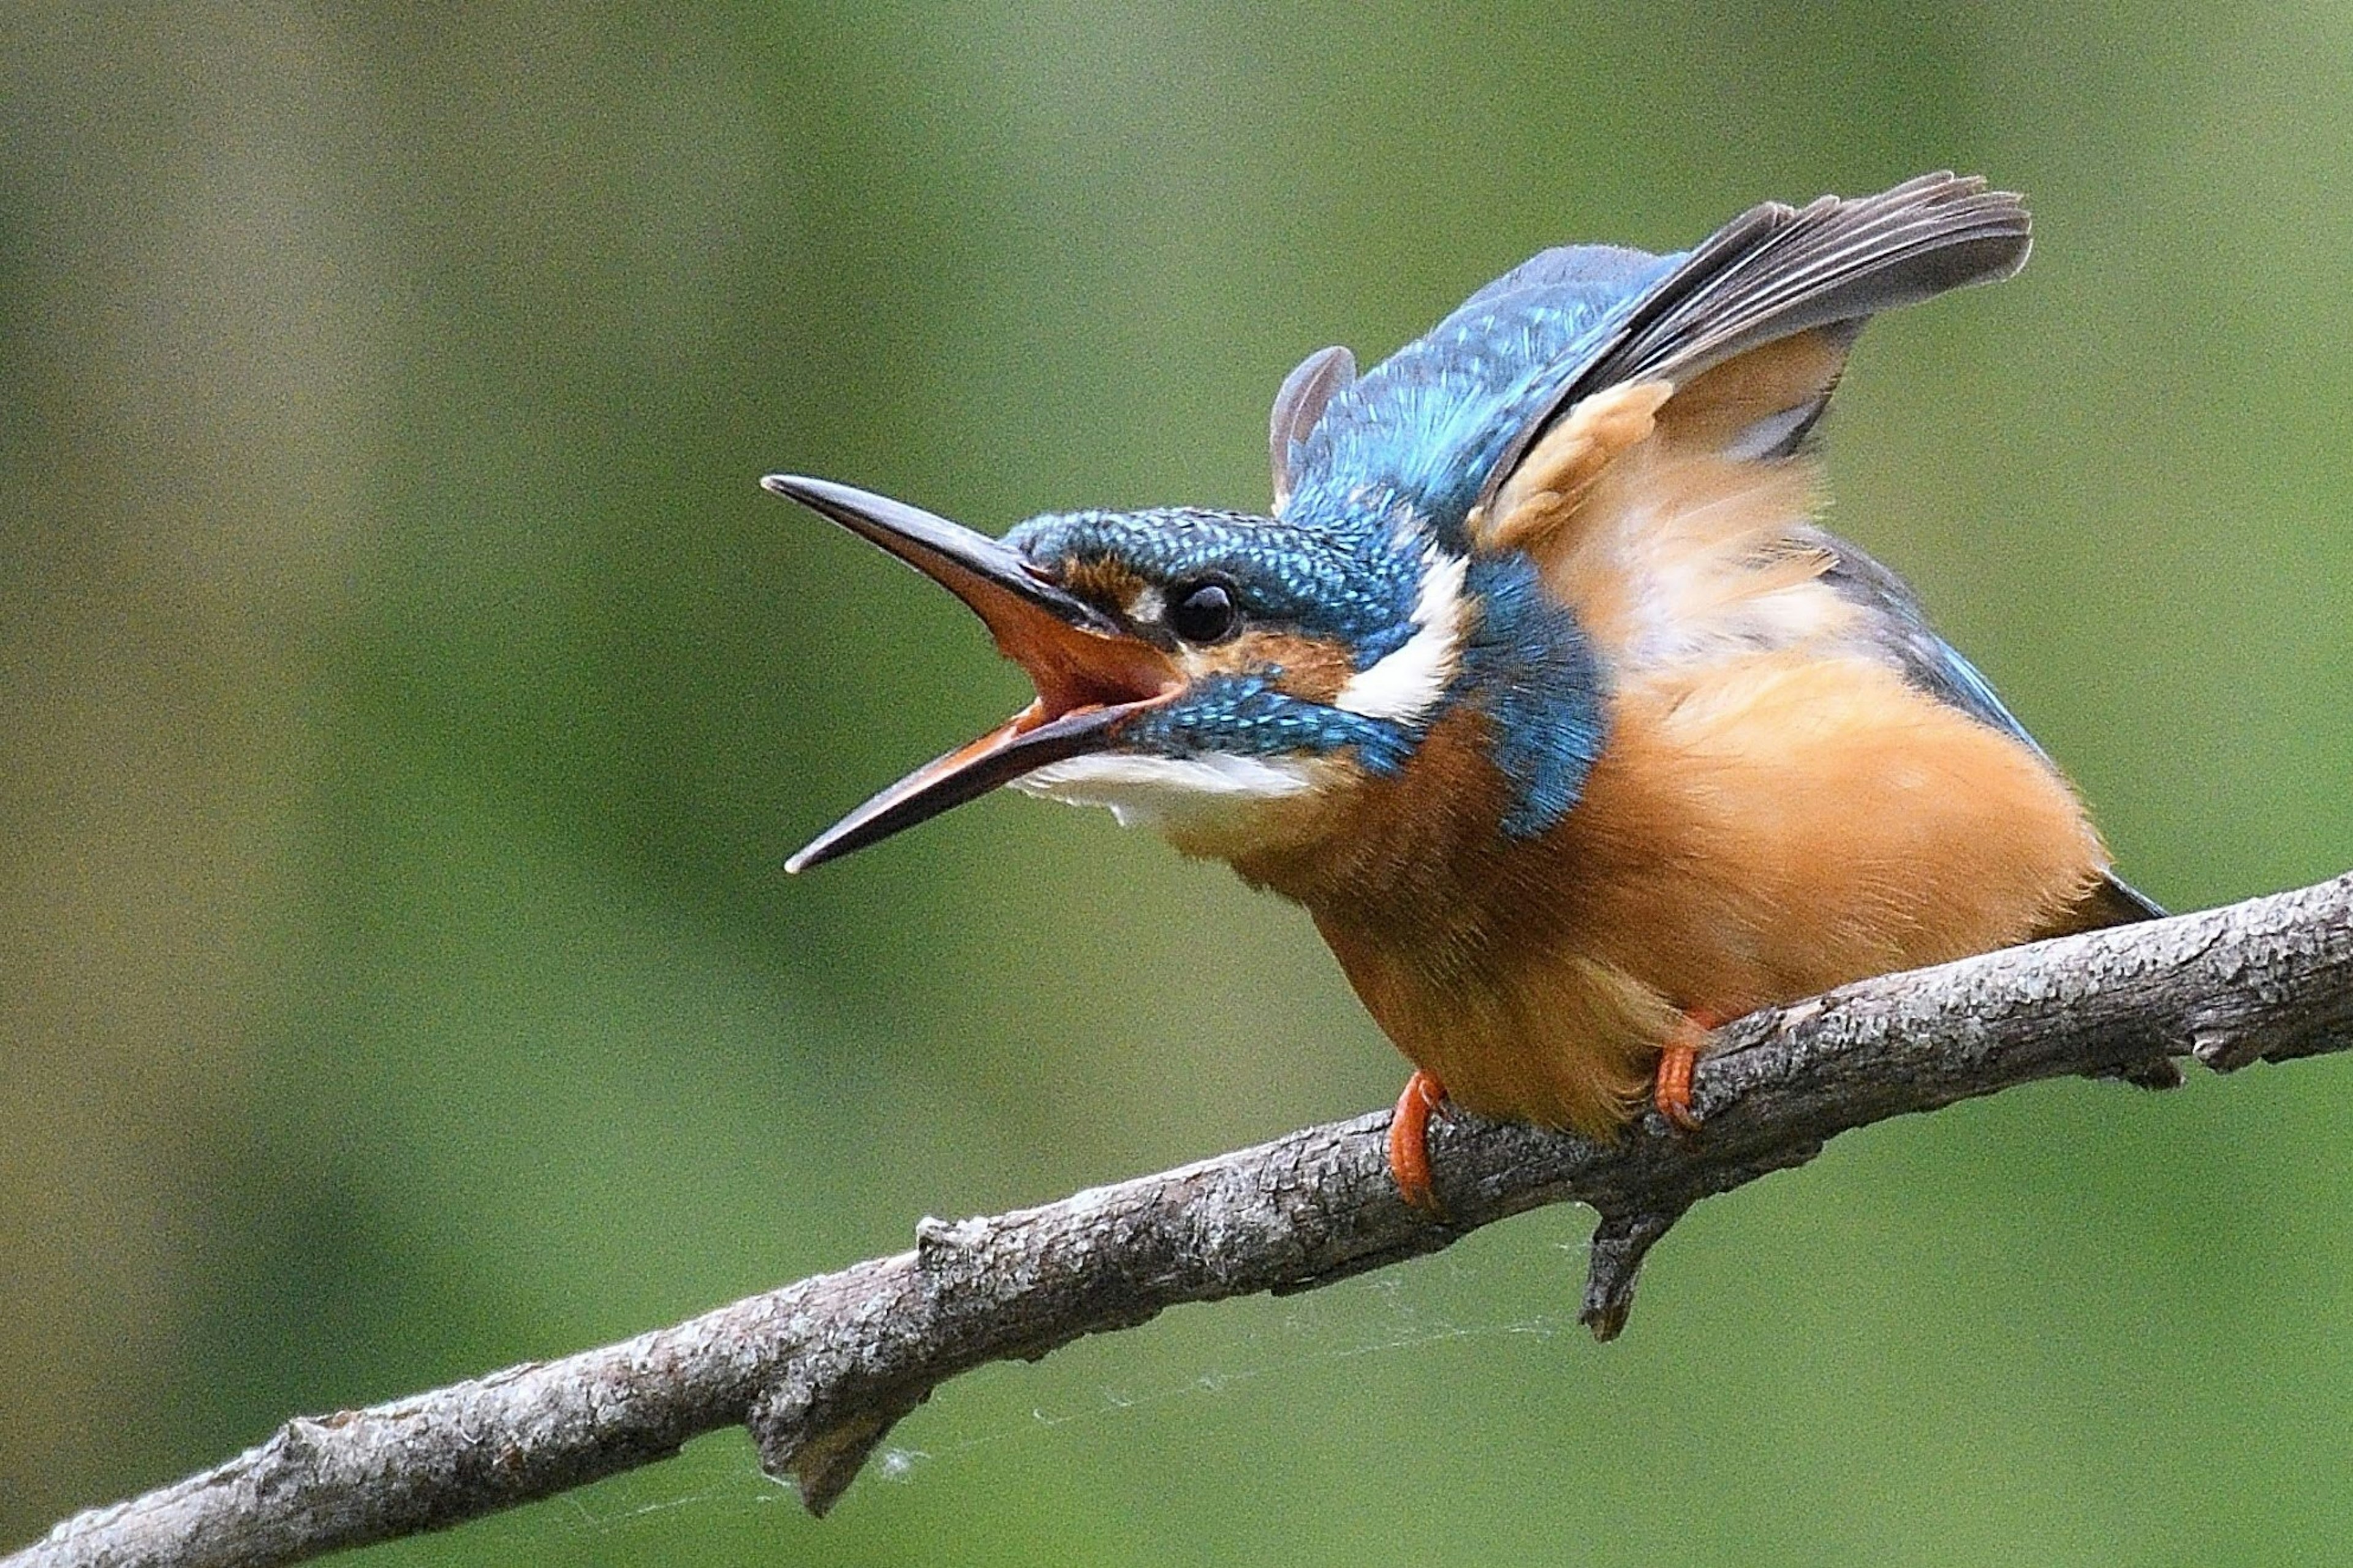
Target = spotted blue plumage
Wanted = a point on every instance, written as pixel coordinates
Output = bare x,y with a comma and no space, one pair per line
1424,428
1342,579
1535,677
1245,715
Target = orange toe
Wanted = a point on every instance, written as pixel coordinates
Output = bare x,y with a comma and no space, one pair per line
1409,1139
1672,1093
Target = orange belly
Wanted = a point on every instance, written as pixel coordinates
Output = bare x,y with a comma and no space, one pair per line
1753,833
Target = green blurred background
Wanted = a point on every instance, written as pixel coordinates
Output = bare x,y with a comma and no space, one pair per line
406,701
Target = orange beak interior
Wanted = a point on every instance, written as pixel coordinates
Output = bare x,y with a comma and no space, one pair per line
1090,673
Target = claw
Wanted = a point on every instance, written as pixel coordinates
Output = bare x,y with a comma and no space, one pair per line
1409,1140
1672,1092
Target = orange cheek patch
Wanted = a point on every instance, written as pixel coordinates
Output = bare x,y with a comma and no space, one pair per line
1105,583
1306,668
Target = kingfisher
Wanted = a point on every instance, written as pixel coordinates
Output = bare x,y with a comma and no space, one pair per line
1540,686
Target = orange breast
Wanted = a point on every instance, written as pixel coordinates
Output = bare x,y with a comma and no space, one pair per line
1755,832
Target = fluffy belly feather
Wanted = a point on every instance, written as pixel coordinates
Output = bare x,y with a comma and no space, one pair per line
1753,834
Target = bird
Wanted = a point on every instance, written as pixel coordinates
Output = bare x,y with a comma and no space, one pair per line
1541,686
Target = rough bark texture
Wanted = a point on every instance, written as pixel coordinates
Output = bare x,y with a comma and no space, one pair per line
820,1369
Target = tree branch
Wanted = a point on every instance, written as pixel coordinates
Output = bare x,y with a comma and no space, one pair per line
820,1369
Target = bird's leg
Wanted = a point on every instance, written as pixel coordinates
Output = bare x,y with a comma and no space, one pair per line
1409,1139
1672,1093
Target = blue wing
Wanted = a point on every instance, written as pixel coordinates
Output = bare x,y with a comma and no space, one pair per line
1899,633
1440,422
1428,425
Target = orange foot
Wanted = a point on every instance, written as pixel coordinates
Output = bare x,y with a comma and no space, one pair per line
1409,1139
1672,1093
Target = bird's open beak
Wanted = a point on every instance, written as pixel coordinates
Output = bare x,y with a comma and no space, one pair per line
1092,675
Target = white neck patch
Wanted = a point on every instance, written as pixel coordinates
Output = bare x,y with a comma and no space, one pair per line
1405,684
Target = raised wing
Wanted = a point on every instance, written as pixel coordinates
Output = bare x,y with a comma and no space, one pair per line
1426,425
1777,271
1445,421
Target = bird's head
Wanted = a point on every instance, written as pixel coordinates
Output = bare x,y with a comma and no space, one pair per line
1227,678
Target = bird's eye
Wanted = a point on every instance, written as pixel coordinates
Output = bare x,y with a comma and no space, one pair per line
1203,612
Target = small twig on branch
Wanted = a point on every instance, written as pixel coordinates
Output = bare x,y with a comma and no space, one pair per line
819,1370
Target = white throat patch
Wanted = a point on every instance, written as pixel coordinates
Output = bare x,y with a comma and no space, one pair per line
1406,683
1181,793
